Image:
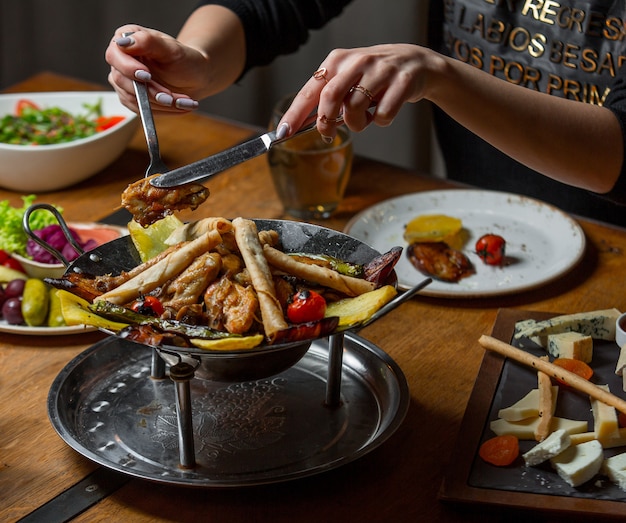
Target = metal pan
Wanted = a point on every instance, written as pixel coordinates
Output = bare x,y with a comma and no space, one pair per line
267,360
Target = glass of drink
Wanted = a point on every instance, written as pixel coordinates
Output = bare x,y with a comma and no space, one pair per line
310,175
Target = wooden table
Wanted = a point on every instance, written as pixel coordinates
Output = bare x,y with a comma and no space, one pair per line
433,340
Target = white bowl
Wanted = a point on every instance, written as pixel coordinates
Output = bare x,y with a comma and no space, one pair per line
42,168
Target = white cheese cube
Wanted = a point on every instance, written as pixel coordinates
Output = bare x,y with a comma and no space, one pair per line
553,445
579,463
621,362
615,469
572,345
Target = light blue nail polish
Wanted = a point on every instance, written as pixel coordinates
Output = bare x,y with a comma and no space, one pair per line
186,103
327,139
164,99
125,41
143,76
282,131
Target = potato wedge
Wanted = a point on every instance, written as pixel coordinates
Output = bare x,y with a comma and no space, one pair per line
352,311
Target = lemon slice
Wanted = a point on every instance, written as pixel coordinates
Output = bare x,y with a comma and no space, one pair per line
229,344
150,241
432,228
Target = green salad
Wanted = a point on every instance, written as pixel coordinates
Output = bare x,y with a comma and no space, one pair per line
32,125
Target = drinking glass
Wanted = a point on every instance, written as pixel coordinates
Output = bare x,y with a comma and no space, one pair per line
310,175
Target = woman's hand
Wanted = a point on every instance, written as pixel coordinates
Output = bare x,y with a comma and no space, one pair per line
560,138
207,56
170,69
381,78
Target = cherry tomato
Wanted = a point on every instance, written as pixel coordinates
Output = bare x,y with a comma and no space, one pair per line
491,248
106,122
7,260
23,104
148,305
305,306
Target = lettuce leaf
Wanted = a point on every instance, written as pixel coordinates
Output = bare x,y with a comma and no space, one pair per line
13,239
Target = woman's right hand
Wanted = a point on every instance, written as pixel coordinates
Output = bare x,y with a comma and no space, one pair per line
207,56
173,72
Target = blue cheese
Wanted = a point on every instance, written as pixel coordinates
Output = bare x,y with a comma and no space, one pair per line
570,345
597,324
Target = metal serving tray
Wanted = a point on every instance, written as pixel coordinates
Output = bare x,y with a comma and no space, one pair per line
105,405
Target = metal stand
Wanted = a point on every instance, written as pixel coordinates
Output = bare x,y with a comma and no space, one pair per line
157,370
335,363
181,374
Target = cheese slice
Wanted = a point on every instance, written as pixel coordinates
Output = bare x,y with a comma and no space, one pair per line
618,440
525,429
605,423
621,362
579,463
527,407
615,468
552,446
571,344
597,324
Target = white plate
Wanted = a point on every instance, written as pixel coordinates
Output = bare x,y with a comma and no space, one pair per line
43,331
542,242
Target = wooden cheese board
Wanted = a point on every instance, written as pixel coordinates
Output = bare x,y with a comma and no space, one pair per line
500,382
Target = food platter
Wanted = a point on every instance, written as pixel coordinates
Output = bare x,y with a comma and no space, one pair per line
499,384
543,243
105,405
101,233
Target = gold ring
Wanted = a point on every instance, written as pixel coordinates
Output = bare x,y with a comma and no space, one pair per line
324,119
320,74
362,90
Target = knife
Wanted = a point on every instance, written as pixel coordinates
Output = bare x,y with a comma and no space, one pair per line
207,167
210,166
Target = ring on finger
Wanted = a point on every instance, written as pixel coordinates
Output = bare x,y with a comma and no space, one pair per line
320,74
324,119
362,90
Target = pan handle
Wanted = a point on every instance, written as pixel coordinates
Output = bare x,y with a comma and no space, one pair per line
64,227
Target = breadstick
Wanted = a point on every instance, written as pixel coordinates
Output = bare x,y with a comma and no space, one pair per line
544,384
567,377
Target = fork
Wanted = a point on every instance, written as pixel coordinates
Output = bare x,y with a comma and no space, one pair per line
156,165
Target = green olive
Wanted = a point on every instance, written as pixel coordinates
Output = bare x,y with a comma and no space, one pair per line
35,302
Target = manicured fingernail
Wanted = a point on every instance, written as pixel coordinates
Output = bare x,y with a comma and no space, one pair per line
125,41
186,103
142,75
327,139
164,99
282,131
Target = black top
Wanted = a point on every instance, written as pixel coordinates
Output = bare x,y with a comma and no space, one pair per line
573,49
